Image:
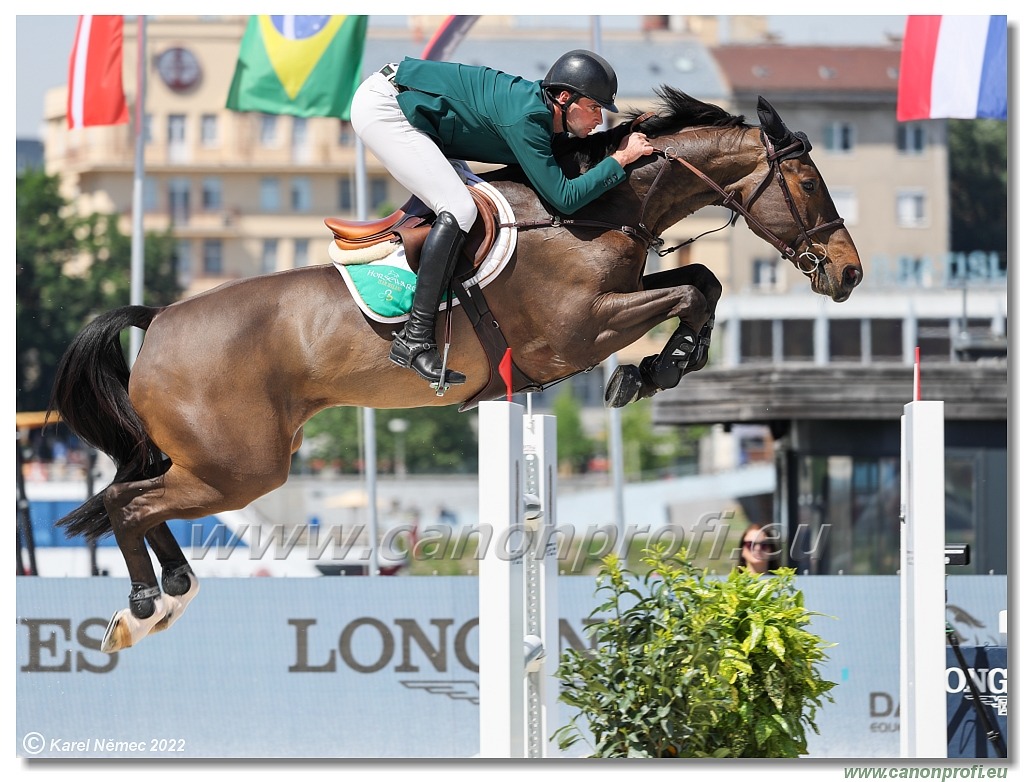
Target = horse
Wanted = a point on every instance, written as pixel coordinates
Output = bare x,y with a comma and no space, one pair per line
208,417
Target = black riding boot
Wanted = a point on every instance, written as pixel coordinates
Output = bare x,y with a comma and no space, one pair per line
415,345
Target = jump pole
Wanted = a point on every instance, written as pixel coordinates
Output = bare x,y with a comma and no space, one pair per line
922,579
518,630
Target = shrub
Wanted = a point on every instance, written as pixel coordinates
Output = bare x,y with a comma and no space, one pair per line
691,665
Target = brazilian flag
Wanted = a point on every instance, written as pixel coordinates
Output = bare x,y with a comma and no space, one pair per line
308,66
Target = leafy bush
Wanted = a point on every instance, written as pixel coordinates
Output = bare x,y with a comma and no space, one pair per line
691,665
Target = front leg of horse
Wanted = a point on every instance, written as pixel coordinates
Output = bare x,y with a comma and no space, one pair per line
686,350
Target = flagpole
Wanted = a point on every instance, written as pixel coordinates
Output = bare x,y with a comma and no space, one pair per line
138,237
611,363
369,414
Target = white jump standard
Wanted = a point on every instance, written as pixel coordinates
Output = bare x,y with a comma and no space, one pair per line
518,629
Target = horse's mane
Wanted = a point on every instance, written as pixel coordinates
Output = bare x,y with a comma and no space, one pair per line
674,111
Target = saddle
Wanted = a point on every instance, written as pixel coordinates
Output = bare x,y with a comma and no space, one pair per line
410,225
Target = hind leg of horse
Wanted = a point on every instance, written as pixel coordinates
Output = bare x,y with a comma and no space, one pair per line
136,508
177,578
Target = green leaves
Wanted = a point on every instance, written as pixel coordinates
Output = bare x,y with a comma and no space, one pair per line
689,665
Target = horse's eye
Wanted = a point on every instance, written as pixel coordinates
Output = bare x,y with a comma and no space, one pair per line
809,185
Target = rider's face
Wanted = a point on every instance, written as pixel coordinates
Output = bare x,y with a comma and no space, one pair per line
583,116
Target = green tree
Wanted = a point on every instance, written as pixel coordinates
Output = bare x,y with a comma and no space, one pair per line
684,664
575,448
438,439
978,185
69,269
645,448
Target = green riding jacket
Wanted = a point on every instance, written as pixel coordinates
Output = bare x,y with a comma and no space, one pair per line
478,113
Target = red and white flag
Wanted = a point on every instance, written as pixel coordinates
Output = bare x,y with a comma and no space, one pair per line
95,88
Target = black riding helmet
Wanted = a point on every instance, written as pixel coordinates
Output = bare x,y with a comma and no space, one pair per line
584,74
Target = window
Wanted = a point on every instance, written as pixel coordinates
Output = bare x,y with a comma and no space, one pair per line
183,261
844,524
766,273
175,129
268,130
346,136
886,336
213,257
844,341
934,338
845,199
178,199
345,200
208,136
378,194
798,340
301,194
147,129
212,193
177,149
270,194
839,137
911,138
301,253
300,136
910,209
755,341
268,258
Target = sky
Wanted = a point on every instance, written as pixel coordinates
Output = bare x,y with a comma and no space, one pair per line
43,45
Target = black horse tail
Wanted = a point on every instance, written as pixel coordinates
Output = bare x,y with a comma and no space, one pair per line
90,393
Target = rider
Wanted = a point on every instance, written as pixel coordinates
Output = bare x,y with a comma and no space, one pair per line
419,114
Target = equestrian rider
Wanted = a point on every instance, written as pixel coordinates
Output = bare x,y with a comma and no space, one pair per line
416,116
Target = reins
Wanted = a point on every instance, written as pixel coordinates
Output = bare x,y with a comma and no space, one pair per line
650,239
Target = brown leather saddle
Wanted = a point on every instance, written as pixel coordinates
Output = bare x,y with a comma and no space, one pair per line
410,226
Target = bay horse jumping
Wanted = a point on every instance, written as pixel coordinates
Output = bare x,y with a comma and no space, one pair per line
212,410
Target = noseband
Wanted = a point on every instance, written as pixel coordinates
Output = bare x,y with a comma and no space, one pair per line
814,252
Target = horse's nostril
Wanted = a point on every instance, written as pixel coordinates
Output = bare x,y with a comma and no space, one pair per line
852,276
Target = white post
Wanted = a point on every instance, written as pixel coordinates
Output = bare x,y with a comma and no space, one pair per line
922,582
541,574
518,628
501,630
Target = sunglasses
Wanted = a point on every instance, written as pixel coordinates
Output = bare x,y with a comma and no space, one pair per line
759,545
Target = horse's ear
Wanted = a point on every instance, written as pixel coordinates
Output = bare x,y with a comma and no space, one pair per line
774,128
771,123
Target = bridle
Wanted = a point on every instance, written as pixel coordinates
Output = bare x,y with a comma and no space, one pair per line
814,252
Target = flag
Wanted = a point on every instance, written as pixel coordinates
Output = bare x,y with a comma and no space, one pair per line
505,371
953,67
448,36
95,88
308,66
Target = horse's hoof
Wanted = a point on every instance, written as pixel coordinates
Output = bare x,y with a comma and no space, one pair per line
176,604
125,629
623,386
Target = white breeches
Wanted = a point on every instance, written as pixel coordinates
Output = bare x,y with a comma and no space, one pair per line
409,155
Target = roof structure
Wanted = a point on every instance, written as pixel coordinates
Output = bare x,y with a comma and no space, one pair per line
641,64
838,71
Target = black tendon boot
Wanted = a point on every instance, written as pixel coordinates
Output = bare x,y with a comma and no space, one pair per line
415,345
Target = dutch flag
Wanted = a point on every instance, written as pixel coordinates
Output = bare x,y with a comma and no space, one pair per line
953,67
